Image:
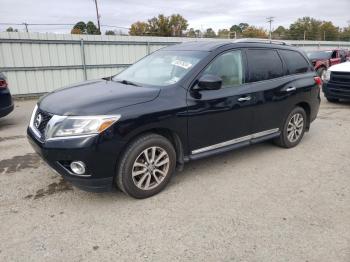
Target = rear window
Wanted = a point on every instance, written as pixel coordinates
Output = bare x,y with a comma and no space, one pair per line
295,62
264,64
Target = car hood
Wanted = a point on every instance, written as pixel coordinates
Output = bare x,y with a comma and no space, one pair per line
343,67
98,97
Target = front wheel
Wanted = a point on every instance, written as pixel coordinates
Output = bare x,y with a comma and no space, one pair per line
322,73
146,166
293,129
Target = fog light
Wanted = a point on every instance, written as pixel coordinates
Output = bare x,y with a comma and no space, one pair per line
77,167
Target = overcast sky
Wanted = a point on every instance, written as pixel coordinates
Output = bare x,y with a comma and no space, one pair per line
200,14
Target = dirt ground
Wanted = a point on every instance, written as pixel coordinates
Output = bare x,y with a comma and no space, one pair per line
260,203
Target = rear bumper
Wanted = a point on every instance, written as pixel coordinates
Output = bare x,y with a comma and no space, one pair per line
335,90
4,111
100,164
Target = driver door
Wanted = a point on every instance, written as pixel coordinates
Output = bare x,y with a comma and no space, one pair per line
223,117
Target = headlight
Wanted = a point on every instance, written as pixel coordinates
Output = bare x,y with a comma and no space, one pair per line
327,76
64,126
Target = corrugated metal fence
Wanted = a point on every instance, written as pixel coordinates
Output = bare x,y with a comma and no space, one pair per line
39,63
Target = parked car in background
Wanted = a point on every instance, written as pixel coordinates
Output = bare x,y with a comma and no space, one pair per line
322,60
6,102
181,103
337,82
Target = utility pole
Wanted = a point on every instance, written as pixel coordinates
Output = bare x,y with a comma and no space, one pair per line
98,17
324,35
270,20
26,25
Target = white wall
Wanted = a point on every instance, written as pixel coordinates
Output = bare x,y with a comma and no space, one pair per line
37,67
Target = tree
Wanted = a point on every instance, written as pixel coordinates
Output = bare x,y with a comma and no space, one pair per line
236,28
10,29
329,32
209,33
243,26
306,26
178,24
345,34
139,28
198,33
254,32
280,33
191,33
110,32
79,27
91,29
161,25
224,33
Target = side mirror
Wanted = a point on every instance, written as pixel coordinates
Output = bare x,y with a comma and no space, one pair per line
209,82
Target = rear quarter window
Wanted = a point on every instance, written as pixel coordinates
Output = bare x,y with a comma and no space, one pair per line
295,62
264,64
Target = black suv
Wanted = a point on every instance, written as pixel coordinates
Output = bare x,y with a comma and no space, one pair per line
181,103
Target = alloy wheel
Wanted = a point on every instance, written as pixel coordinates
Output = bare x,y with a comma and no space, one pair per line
150,168
295,127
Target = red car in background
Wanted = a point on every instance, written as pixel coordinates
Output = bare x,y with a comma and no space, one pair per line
322,60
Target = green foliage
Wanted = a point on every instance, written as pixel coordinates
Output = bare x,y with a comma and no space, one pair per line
79,27
110,32
162,25
280,33
10,29
82,28
91,29
209,33
254,32
224,33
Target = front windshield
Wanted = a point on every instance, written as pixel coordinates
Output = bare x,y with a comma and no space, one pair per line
161,68
319,55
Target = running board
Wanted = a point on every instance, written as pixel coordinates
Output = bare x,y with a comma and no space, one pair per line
234,144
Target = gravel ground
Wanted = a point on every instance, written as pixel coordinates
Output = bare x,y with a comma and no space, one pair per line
260,203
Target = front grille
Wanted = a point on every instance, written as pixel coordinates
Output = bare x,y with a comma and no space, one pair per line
341,78
41,125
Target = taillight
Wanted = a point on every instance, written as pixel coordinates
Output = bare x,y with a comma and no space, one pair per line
318,81
3,83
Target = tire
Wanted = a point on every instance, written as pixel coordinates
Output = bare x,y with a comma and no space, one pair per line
332,100
321,72
287,140
134,166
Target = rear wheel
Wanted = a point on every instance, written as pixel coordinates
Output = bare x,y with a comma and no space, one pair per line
146,166
293,129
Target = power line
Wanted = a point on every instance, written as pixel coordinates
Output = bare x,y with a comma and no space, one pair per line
56,24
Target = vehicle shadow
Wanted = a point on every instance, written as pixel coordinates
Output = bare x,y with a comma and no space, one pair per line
190,174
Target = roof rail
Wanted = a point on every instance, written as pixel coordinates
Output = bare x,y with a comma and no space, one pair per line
260,40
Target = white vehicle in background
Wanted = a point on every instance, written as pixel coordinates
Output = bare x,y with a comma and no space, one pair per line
337,82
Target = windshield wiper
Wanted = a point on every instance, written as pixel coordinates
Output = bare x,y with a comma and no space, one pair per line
127,82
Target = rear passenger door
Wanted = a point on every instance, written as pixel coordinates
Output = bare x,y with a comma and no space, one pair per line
276,79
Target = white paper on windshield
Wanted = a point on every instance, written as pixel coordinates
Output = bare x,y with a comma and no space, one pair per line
182,64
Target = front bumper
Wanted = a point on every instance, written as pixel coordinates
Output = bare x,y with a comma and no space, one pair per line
336,90
98,153
4,111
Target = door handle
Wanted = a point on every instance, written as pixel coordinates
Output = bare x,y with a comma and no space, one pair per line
246,98
290,89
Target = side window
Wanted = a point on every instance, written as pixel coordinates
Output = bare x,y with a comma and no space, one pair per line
264,64
229,67
295,62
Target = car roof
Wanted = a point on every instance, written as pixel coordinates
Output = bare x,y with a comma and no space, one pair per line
213,45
